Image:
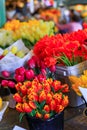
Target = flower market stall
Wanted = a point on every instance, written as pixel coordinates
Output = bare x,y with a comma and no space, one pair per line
30,31
16,43
39,95
68,52
37,64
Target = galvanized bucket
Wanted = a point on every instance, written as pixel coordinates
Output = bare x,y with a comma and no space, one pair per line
62,73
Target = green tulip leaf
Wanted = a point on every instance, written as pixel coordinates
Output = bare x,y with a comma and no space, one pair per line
42,104
33,113
21,116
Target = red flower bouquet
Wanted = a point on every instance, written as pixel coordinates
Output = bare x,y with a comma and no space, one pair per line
68,49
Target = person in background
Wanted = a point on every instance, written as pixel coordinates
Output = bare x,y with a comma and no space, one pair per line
74,13
10,11
73,25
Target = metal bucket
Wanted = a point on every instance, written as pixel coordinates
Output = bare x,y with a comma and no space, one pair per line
62,73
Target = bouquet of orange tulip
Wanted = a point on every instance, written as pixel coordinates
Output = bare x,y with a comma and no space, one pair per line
41,99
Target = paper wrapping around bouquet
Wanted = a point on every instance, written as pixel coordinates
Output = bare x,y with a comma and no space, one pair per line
63,72
11,62
84,93
3,109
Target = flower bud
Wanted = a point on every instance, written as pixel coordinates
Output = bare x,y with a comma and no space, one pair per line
4,83
29,74
17,97
19,78
11,84
52,68
20,71
26,107
31,63
5,73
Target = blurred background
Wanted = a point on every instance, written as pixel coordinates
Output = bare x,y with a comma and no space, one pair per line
25,9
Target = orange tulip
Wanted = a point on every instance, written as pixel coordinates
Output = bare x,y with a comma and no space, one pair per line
48,98
47,116
47,108
57,97
59,108
32,105
19,107
42,96
65,101
52,105
26,107
38,115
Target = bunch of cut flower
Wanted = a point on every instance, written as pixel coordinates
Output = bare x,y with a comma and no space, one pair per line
67,50
38,94
5,38
80,81
30,31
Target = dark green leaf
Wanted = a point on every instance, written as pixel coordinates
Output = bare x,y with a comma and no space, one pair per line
43,112
42,104
37,104
52,113
33,113
27,43
21,116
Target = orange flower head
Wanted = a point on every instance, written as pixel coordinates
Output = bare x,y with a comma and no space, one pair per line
35,82
27,84
23,89
39,86
65,88
52,105
65,101
59,108
42,96
47,87
46,116
26,107
19,107
47,108
17,97
48,98
56,85
18,85
50,81
34,88
32,105
33,96
57,97
30,90
38,115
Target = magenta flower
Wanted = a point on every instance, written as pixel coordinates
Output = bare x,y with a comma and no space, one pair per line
4,83
11,84
29,74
